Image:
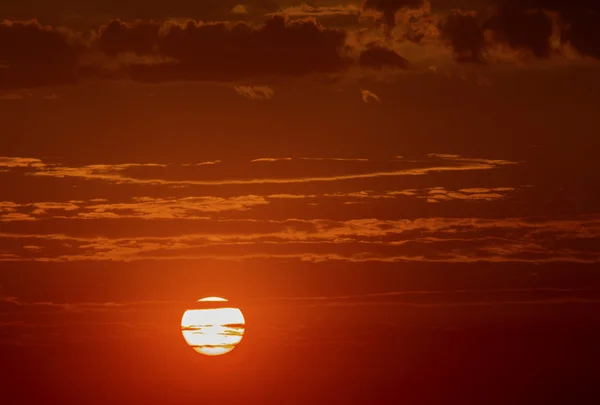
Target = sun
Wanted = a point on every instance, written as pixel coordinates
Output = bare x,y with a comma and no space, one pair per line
213,329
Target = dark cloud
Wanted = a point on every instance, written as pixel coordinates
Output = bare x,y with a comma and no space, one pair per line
523,29
526,24
218,52
278,47
580,17
390,7
521,25
465,35
118,37
35,55
85,14
378,57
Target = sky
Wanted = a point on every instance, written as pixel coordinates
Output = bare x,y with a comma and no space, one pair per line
401,197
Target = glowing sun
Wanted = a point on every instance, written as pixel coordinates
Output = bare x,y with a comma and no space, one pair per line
214,328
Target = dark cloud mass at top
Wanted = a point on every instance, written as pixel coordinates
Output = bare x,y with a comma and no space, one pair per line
217,51
390,7
581,19
86,12
209,48
35,55
526,25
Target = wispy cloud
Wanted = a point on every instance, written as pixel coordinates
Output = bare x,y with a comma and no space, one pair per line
438,194
207,163
196,208
12,162
459,240
119,173
255,92
369,95
11,97
268,160
84,306
336,159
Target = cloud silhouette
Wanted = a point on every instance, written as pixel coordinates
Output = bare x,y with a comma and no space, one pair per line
389,7
222,51
36,55
297,41
376,56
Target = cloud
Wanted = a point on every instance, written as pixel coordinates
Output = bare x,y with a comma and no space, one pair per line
84,14
255,92
376,56
81,307
11,97
201,208
337,159
465,35
239,9
52,97
295,41
537,28
207,163
147,208
527,23
223,51
118,173
389,7
12,162
439,239
439,194
292,196
346,15
37,55
268,160
171,208
367,95
447,298
522,30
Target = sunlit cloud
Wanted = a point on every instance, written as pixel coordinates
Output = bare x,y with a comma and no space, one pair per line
12,162
118,173
336,159
239,9
80,307
369,95
207,163
454,240
268,160
255,92
438,194
291,196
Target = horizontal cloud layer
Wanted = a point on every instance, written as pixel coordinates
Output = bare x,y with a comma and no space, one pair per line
536,240
125,173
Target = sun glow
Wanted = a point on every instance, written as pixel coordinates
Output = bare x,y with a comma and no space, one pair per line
213,331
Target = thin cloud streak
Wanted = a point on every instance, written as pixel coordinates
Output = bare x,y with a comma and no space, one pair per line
255,92
85,306
115,175
430,292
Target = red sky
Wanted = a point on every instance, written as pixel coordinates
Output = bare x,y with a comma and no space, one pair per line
401,197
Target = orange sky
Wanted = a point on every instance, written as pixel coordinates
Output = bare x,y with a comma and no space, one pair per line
401,197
